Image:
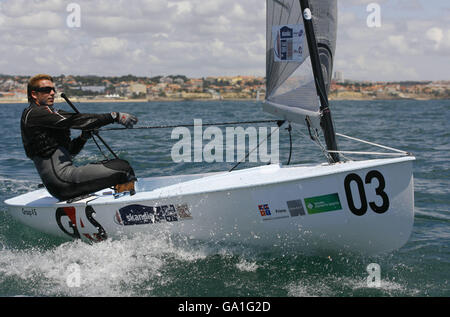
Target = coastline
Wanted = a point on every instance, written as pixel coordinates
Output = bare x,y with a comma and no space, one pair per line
107,100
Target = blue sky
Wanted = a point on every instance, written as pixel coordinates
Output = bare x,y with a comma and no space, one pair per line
201,38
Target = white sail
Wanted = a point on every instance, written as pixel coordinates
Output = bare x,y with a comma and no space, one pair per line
290,90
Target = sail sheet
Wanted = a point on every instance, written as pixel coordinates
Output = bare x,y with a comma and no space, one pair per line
290,88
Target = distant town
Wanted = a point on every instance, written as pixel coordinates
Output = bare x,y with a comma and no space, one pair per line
179,87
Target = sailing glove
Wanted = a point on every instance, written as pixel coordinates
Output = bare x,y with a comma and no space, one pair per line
126,119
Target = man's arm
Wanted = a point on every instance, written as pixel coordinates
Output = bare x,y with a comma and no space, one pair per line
83,121
43,116
76,145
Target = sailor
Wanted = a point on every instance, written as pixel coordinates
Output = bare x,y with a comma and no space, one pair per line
47,141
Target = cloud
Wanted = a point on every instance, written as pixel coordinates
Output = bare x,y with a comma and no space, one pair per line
36,20
182,7
435,35
409,38
164,36
238,12
208,8
203,38
108,46
21,8
400,45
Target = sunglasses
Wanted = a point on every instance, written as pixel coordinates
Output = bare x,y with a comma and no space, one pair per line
45,90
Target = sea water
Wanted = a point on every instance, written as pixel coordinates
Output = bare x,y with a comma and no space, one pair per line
35,264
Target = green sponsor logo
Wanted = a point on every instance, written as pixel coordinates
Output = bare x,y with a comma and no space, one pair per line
324,203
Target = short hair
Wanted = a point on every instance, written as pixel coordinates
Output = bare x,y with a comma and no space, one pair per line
32,84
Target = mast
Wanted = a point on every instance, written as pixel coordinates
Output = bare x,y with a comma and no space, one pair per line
326,120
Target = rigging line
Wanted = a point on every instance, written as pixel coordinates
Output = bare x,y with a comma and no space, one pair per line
371,143
290,143
250,152
190,125
98,146
315,137
315,140
324,150
374,153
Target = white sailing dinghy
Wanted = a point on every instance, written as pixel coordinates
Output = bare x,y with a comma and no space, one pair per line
360,206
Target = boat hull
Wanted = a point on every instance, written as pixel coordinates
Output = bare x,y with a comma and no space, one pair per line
365,207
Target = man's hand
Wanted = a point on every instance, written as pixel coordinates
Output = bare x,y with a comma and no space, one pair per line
126,119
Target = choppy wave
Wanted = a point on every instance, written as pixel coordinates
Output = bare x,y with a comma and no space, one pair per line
12,187
35,264
129,267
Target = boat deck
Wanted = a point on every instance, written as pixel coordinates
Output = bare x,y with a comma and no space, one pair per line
169,186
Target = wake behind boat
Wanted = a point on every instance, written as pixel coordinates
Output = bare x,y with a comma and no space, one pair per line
360,206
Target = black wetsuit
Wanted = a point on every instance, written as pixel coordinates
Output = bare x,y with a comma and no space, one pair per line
46,139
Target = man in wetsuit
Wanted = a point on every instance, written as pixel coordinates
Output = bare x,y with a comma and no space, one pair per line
46,139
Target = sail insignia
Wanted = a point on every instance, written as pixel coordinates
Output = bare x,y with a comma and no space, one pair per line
291,88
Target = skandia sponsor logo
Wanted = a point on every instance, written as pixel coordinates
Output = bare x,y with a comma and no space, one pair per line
140,214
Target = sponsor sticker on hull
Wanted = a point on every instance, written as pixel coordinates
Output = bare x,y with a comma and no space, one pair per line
140,214
324,203
295,208
267,214
29,212
70,221
264,210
